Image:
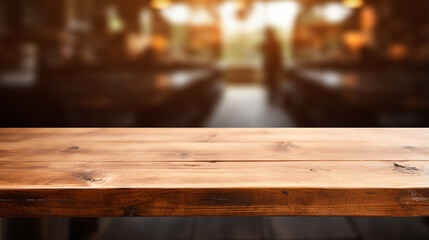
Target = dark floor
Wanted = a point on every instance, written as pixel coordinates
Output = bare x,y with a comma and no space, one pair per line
247,106
265,228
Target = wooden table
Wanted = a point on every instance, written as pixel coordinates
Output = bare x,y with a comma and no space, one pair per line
206,172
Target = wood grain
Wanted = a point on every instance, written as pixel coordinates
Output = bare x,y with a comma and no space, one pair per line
214,172
204,144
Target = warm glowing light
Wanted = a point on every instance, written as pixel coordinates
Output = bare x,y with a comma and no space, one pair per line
353,3
281,14
354,40
136,44
241,4
201,17
368,18
159,43
278,14
242,35
177,13
160,4
397,51
335,12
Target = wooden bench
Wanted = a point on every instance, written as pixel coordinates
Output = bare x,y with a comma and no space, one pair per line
214,172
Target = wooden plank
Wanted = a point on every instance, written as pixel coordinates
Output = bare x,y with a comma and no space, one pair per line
204,144
115,202
296,174
151,135
214,172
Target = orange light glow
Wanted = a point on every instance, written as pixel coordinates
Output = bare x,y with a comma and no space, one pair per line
353,3
241,4
159,43
368,18
354,40
397,51
160,4
136,43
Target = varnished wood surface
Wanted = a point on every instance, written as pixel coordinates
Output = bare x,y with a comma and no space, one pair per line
214,172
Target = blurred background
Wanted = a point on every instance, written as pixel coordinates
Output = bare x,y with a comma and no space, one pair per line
214,63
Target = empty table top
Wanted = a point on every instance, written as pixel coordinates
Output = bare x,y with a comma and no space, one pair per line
214,171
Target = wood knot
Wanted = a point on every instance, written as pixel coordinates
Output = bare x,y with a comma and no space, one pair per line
408,147
218,199
192,165
184,155
285,192
408,198
71,149
211,138
130,211
285,146
86,175
408,169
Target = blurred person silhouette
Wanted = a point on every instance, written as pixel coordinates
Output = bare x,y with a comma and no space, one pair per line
272,64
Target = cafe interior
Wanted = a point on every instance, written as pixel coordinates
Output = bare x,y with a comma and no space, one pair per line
214,63
217,63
